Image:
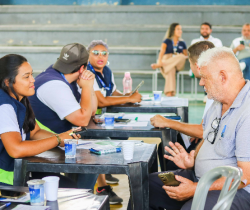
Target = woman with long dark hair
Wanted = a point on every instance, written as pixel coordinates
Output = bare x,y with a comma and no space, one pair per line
17,120
172,57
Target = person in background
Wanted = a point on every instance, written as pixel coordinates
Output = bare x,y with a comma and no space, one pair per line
241,48
57,103
195,131
205,31
20,135
172,57
107,95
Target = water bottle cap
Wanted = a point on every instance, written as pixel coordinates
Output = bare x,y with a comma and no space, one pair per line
127,74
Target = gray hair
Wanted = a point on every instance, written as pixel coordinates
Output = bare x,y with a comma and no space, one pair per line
95,43
216,53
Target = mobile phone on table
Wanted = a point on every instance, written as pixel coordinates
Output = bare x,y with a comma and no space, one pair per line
242,42
122,120
173,117
168,179
11,194
138,86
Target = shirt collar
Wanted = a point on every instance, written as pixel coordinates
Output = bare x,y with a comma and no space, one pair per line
240,97
210,38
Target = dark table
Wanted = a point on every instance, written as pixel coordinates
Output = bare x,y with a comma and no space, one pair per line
175,105
77,199
166,134
145,159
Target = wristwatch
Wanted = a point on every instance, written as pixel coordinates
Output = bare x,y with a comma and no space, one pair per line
59,140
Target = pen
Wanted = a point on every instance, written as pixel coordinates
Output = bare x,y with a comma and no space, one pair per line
136,119
223,131
83,144
4,206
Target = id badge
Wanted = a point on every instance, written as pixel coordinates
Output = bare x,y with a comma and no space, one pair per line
103,91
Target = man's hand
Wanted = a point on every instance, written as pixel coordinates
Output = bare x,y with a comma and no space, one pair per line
179,156
136,97
240,47
159,121
86,79
184,191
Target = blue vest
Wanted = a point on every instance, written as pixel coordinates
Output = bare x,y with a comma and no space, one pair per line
43,113
7,162
107,79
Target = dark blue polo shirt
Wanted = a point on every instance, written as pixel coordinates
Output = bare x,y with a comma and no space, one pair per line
180,46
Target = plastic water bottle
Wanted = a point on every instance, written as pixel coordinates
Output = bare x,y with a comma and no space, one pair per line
127,83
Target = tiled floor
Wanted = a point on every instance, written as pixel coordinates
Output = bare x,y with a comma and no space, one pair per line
196,109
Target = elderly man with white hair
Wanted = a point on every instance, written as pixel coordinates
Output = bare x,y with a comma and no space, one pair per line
225,141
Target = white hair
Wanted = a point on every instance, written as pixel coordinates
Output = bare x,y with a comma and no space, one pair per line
213,54
95,43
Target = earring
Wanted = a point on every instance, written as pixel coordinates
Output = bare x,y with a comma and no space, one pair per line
108,63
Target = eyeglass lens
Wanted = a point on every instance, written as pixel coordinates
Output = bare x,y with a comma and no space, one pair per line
96,52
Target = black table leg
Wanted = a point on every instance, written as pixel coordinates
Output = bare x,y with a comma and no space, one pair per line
139,186
20,174
183,113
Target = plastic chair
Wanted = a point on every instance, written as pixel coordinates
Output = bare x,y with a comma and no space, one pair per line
226,196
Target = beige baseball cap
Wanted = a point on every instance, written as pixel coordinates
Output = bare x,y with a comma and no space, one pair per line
72,56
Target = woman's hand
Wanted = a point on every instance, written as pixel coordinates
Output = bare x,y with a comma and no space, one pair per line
70,135
179,156
159,121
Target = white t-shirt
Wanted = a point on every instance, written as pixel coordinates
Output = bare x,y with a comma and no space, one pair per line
104,92
58,97
8,120
217,42
243,53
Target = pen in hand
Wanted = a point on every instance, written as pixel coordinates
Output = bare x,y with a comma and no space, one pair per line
5,206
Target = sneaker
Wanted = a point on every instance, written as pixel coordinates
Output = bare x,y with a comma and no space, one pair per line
107,190
110,179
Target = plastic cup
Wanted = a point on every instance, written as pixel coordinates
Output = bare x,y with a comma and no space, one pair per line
70,148
51,187
109,121
128,150
157,96
36,188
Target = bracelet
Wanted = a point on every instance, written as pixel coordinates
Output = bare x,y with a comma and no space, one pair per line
59,140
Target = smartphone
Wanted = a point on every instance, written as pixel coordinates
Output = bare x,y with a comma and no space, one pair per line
173,117
137,88
242,42
11,194
168,179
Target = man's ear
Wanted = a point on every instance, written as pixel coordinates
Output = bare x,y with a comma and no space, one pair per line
223,76
198,68
82,69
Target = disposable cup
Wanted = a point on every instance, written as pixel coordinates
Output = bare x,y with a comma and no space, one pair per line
36,188
157,96
51,187
128,150
109,121
70,148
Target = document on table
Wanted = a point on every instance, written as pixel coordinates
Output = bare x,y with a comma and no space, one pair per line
130,124
82,144
26,207
24,199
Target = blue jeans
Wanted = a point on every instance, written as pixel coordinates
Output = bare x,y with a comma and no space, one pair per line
87,181
246,72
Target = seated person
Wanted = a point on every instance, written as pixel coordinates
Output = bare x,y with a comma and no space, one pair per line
225,138
17,122
107,95
241,47
58,105
193,130
104,84
172,57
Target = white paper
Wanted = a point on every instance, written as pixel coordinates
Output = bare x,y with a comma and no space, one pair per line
186,140
130,124
23,199
116,115
26,207
96,144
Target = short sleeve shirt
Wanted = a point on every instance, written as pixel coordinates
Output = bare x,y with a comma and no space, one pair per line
180,46
232,140
8,120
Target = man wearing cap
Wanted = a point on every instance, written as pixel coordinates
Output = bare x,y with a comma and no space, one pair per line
57,103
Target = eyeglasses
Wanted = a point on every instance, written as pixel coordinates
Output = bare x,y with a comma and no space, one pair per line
212,134
97,52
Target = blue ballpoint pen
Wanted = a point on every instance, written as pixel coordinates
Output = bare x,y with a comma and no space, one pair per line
5,206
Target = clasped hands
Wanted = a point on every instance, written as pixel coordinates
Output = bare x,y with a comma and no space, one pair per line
183,160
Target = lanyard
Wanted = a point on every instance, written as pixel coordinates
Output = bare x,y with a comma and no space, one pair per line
175,46
64,77
99,78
